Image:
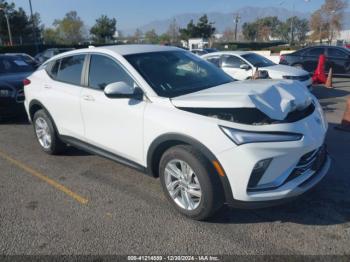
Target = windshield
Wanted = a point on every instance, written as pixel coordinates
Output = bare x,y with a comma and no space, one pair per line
14,64
175,73
258,60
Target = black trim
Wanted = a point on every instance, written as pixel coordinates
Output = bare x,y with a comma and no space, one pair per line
178,138
101,152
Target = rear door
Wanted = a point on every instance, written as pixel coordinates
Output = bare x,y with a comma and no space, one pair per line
311,57
62,94
339,60
115,125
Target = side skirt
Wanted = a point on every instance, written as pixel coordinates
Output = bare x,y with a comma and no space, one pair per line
101,152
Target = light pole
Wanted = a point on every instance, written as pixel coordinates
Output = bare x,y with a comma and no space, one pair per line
8,25
33,26
236,19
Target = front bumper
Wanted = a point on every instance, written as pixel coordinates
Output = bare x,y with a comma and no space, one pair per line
280,181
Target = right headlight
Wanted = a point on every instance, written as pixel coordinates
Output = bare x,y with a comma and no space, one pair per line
240,137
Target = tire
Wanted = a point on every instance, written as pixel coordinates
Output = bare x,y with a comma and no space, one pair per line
211,198
43,125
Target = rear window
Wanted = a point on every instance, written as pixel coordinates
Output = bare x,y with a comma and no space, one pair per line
14,64
68,69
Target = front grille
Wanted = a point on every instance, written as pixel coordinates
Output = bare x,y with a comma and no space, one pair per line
313,161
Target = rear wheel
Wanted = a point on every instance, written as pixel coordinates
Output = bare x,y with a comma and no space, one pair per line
189,184
46,133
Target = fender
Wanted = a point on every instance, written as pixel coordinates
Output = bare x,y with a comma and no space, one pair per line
35,102
162,143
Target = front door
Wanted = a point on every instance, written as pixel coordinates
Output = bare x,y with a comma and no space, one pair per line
113,124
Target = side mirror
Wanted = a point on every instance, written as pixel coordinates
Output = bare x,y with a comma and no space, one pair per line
244,66
123,90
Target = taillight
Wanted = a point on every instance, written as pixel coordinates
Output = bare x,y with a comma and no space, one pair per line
26,82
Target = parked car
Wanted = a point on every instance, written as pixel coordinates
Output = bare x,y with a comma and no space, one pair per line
166,112
307,58
48,53
13,70
27,58
203,51
199,52
242,65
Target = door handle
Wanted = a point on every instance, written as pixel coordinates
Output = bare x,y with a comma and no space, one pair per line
88,98
47,86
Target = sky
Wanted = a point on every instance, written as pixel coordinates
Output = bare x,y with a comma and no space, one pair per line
134,13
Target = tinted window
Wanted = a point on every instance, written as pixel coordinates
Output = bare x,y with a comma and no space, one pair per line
232,61
334,52
70,69
14,64
104,71
258,60
52,70
175,73
315,51
214,60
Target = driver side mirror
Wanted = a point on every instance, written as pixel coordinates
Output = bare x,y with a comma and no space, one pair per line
245,67
123,90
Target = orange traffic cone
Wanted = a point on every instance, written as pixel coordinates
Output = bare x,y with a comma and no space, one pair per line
319,77
345,123
329,82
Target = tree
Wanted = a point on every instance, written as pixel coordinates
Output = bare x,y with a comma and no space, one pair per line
293,30
104,29
137,37
228,35
173,31
21,24
70,28
50,36
203,29
151,37
262,29
326,22
250,31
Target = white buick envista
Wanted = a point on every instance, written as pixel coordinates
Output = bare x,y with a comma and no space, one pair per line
173,115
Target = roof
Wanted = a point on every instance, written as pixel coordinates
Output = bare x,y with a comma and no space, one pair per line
137,49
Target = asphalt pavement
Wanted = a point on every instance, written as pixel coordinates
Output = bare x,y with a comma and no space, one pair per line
79,203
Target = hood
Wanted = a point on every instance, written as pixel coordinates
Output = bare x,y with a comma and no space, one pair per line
275,98
284,70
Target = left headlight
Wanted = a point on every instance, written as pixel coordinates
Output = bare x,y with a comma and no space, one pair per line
240,137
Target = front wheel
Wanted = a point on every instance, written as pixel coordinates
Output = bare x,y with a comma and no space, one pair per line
190,183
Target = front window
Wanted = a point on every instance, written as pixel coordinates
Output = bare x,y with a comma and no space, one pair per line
258,60
14,64
175,73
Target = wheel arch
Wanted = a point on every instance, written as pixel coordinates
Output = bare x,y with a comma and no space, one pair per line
36,105
166,141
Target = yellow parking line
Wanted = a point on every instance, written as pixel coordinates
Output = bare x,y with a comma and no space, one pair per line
51,182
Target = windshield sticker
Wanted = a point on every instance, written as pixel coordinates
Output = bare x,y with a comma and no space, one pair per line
20,63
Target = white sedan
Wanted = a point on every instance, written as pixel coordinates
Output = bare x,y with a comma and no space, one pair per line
242,65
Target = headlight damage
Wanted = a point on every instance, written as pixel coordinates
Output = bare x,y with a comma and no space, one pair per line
250,116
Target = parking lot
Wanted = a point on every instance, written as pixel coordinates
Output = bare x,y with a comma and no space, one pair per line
79,203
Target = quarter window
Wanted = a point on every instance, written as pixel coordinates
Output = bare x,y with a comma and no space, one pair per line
70,69
104,71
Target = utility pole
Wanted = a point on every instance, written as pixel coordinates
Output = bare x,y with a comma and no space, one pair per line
236,19
8,25
33,27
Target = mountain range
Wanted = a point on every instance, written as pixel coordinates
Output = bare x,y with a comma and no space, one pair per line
224,21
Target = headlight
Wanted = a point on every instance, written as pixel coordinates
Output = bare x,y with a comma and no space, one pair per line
244,137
